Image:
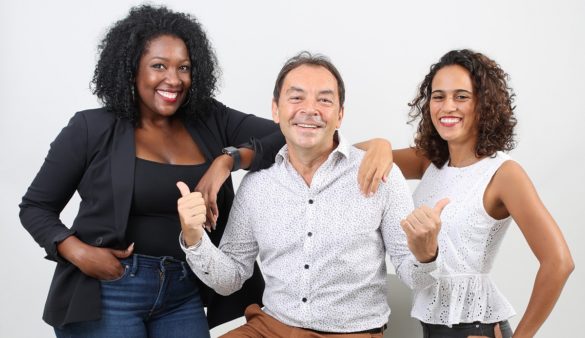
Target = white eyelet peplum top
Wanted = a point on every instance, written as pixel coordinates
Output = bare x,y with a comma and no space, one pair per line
460,290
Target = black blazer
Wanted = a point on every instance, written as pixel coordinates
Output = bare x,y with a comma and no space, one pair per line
95,155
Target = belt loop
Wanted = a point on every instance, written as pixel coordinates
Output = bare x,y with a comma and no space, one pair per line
183,265
134,265
162,264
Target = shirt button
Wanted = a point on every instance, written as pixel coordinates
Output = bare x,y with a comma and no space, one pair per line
310,234
304,300
310,201
306,266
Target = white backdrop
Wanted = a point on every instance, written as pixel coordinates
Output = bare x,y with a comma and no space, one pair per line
383,49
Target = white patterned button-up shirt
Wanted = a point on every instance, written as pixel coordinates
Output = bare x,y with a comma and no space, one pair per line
321,247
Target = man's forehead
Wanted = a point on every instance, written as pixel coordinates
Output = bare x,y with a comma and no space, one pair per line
310,70
304,76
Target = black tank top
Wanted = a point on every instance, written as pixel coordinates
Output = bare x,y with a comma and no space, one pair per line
154,224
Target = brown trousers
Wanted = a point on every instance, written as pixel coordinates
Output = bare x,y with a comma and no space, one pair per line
260,325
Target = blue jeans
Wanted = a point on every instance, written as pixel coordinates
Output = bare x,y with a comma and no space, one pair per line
465,330
156,297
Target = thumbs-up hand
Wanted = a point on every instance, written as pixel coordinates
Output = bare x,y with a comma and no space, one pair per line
192,210
422,228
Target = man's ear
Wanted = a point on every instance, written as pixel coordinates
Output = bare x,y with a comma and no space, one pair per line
275,116
341,114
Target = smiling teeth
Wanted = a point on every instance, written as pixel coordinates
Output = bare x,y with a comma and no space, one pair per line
306,125
450,120
167,94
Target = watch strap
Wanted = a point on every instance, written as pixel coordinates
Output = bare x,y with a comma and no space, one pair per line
235,154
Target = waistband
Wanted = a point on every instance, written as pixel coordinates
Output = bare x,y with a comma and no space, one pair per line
461,325
163,263
371,331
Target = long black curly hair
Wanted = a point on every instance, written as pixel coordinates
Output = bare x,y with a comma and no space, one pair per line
494,107
123,45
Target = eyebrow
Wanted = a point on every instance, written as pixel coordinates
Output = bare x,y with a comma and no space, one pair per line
327,92
294,89
167,59
455,91
322,92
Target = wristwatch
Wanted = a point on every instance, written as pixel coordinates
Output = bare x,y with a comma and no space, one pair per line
235,154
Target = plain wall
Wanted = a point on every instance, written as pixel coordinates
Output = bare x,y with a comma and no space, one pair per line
382,48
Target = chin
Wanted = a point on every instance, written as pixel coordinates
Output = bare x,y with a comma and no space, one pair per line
168,112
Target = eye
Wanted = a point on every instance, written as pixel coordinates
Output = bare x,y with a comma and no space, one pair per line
294,98
325,100
437,97
158,66
462,97
185,68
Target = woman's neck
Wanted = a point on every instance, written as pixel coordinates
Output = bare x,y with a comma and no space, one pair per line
462,155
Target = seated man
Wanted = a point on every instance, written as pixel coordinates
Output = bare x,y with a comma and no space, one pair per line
321,243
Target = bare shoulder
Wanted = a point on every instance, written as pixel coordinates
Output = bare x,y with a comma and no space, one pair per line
509,173
512,184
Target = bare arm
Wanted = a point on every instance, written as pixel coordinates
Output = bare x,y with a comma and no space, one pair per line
512,191
412,164
215,176
99,263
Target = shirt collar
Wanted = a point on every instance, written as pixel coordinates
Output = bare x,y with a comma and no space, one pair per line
343,149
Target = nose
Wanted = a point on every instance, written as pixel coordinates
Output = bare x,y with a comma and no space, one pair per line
310,107
173,78
449,104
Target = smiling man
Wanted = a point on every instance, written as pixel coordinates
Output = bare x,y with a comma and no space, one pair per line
321,243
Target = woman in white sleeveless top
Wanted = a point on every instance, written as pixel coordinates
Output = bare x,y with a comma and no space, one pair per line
465,113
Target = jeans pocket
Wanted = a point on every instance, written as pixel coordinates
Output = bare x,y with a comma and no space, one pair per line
119,278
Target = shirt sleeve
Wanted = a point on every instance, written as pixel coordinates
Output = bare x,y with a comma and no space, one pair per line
225,269
54,185
259,134
399,204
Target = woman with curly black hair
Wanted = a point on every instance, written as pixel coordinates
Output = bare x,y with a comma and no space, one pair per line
120,269
466,119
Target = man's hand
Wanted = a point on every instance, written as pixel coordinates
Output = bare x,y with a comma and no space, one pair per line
192,210
422,228
99,263
375,165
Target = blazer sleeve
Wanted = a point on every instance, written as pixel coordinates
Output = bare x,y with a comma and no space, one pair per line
247,130
53,187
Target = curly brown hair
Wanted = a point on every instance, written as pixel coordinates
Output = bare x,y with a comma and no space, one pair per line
494,107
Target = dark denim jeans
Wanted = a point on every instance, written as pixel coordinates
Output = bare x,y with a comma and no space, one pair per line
156,297
465,330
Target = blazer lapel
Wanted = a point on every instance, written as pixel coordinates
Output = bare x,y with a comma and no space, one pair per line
122,170
196,135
